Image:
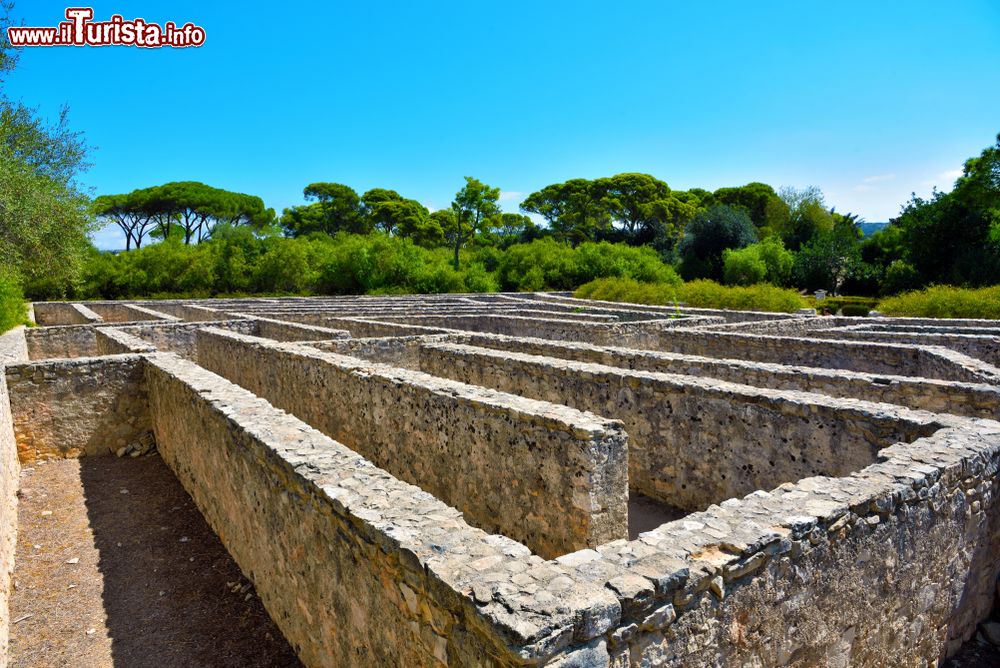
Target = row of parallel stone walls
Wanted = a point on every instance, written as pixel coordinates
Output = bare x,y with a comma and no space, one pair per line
12,351
635,333
120,312
182,337
937,396
878,358
48,314
356,567
980,345
77,407
543,474
694,442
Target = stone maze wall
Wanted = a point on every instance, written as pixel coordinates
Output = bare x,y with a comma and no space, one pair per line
13,350
693,441
453,480
77,407
543,474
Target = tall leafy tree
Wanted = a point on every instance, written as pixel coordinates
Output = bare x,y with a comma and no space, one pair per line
761,203
44,214
390,212
709,234
473,204
129,213
573,210
955,237
628,200
341,208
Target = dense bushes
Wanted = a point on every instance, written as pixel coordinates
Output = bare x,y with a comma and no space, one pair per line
546,264
765,261
700,293
236,262
12,306
945,302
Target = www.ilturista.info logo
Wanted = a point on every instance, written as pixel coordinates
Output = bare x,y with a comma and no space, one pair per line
80,30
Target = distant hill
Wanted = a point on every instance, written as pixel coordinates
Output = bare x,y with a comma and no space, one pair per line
869,229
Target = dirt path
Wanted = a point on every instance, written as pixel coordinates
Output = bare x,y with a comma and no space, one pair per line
116,567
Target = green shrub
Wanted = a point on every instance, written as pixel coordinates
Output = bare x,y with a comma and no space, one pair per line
945,301
700,293
761,297
546,264
743,266
855,310
13,311
765,261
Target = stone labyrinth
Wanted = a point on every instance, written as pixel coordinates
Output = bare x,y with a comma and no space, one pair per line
533,479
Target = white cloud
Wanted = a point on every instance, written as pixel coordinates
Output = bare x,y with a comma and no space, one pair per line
878,178
511,196
944,180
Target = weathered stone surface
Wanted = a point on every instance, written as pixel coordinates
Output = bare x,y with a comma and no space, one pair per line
878,545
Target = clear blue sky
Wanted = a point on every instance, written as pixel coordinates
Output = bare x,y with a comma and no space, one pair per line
867,100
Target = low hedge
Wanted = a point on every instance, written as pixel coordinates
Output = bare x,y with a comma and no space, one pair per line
699,294
945,301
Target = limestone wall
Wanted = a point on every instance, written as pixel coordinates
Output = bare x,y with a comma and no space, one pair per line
695,442
78,407
546,475
981,346
185,311
113,341
355,567
937,396
290,331
892,565
12,351
637,333
181,338
122,312
59,313
61,341
362,328
878,358
401,351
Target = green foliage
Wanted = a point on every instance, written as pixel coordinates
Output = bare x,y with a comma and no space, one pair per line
952,238
900,276
43,228
337,209
546,264
829,259
709,234
743,266
855,310
767,260
759,201
762,297
237,261
474,204
944,301
807,216
13,311
699,293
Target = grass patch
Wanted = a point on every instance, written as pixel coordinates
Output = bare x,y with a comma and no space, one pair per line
13,309
700,294
945,301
